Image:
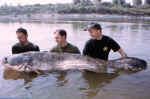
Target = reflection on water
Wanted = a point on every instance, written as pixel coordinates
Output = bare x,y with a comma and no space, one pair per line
134,39
61,79
96,82
14,75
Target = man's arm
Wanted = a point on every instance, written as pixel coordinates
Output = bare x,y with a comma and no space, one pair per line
122,53
76,50
52,50
37,48
87,49
116,48
14,50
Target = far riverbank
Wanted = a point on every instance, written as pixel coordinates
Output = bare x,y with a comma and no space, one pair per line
74,17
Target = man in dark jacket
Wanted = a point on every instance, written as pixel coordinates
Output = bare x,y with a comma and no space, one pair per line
23,45
62,44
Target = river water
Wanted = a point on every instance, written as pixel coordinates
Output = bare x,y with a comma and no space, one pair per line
134,38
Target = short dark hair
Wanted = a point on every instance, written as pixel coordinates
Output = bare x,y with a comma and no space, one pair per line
62,32
22,30
94,26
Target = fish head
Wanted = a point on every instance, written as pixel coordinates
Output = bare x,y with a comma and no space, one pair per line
130,63
136,64
4,60
14,60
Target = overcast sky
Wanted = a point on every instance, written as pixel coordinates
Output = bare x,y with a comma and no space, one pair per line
25,2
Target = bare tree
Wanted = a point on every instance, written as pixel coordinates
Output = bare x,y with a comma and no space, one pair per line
97,1
83,2
118,2
137,2
76,2
147,2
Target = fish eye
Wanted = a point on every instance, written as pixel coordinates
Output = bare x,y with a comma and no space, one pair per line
5,60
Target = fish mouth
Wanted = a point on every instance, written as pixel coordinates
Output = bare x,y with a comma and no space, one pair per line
134,69
138,66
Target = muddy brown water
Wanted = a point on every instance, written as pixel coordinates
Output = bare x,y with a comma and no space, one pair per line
134,38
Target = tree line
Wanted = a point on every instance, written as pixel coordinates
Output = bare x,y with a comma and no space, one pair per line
114,2
78,6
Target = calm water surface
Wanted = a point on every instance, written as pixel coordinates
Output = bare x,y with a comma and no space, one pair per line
134,38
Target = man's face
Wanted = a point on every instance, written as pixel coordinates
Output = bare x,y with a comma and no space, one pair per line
21,37
94,33
59,39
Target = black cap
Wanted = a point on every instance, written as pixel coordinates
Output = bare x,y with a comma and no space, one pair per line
94,26
24,31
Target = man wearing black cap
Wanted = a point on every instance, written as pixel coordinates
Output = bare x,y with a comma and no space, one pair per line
23,45
100,45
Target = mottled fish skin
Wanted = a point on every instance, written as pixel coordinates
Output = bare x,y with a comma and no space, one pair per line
46,61
132,63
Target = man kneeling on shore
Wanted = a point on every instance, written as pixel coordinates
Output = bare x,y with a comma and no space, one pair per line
62,44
